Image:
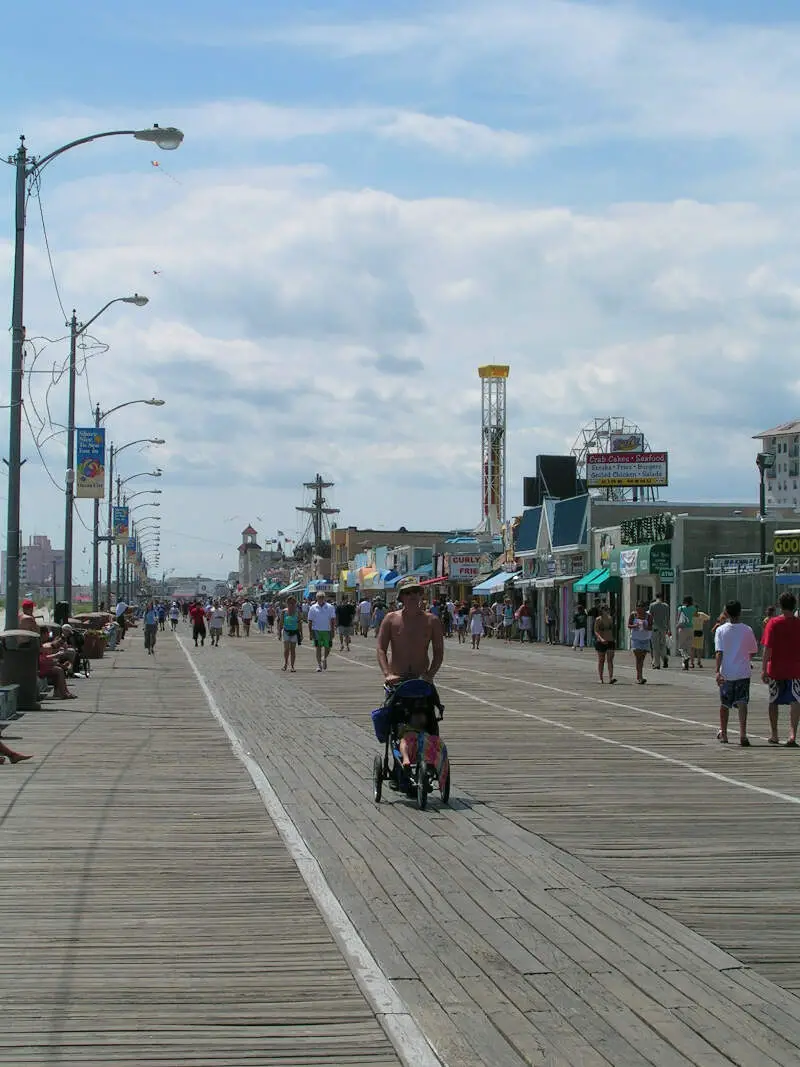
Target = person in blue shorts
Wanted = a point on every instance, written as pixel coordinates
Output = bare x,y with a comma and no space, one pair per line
735,645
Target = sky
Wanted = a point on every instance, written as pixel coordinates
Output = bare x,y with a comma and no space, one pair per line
372,200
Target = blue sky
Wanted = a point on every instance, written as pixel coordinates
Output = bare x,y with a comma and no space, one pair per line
372,200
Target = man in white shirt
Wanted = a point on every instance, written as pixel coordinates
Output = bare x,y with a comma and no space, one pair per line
735,645
216,621
322,624
247,617
364,616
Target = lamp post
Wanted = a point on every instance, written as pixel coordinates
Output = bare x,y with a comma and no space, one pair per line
122,563
764,461
98,418
113,453
137,530
75,331
27,167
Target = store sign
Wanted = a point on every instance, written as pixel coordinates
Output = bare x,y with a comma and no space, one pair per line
786,543
610,469
747,564
626,442
654,558
646,529
464,568
667,575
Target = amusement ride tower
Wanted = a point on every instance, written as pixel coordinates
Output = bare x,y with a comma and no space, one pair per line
493,447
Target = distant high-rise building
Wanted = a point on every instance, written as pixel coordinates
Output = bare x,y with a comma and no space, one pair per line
783,478
36,563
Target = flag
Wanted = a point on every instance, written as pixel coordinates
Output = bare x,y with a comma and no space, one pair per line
281,533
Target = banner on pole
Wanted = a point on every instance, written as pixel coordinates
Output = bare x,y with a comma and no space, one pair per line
90,472
120,517
131,548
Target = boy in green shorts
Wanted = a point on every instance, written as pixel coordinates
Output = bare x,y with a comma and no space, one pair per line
322,623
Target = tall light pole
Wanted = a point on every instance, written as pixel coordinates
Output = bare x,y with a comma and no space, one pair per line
75,331
101,416
28,167
764,461
113,453
120,482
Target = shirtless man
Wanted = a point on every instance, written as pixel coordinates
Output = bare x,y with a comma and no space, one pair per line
409,634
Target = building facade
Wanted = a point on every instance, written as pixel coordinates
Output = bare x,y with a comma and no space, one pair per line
36,563
783,479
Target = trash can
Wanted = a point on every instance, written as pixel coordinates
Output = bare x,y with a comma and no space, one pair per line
61,613
19,665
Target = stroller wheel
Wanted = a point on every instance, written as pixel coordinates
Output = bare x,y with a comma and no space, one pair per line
377,778
446,790
422,786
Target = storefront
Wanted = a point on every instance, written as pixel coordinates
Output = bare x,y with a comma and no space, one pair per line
641,571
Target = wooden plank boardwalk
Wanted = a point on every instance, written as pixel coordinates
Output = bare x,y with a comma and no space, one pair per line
151,913
610,887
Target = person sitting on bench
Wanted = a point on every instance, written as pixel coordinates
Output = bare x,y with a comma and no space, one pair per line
52,672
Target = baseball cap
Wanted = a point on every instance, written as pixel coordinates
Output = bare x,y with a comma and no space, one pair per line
27,603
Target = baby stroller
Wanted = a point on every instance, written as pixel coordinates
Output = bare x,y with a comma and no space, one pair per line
411,702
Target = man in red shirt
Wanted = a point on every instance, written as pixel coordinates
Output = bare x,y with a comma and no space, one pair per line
198,616
781,667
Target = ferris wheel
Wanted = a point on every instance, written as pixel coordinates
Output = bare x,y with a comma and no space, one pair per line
598,436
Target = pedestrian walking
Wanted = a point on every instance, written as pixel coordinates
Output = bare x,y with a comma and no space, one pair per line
579,623
247,617
640,624
659,612
345,614
476,627
735,645
551,623
270,617
216,623
461,623
364,614
322,626
174,616
685,629
524,622
698,636
290,631
162,616
508,619
781,667
604,643
197,613
150,628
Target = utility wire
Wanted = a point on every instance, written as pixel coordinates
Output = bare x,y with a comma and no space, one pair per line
36,187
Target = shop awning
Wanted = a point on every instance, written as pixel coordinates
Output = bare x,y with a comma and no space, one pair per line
434,581
545,583
493,584
605,582
582,583
292,587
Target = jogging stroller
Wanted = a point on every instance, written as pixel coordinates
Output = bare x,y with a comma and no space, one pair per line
410,719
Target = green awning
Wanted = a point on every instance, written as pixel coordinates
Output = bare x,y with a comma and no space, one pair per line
582,583
632,560
604,582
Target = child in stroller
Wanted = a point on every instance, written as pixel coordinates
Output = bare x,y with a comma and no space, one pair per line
408,726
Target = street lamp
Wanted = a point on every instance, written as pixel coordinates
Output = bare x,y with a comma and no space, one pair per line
166,138
123,568
75,331
764,461
113,453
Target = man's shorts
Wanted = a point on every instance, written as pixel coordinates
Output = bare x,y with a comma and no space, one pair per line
345,631
733,693
322,639
784,692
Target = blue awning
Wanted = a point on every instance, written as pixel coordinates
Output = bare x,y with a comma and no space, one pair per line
491,585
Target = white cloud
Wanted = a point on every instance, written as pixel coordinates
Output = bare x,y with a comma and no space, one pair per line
587,71
289,324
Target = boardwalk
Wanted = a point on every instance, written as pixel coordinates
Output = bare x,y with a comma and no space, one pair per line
520,926
610,887
151,914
